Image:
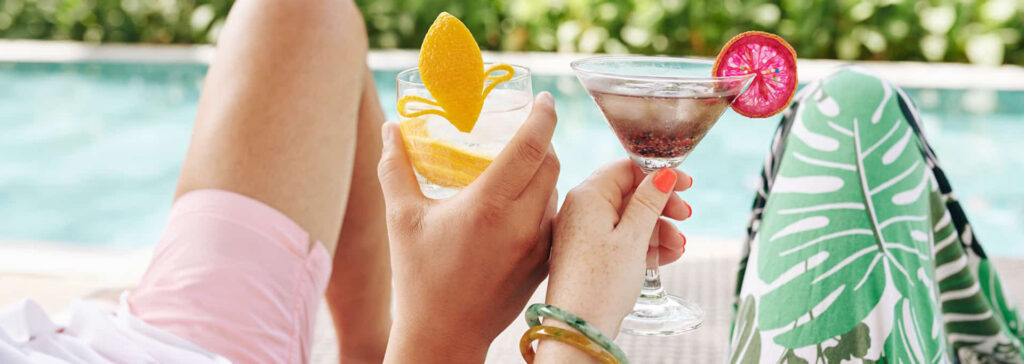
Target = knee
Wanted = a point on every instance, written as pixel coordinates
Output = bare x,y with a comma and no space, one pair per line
353,28
337,22
351,18
344,20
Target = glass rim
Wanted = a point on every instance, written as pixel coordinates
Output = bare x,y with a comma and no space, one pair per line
578,64
517,76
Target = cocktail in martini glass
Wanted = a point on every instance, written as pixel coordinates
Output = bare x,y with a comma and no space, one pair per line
661,108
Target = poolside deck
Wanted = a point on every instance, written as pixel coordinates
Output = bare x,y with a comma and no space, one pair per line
706,274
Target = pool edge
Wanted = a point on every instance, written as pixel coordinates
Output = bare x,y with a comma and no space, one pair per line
905,74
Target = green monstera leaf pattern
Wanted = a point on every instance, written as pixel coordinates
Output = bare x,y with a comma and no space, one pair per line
851,236
746,348
851,345
857,250
992,289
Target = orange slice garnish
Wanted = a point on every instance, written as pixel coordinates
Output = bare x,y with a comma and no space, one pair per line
439,161
452,70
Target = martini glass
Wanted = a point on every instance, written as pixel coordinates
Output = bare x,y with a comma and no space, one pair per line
660,108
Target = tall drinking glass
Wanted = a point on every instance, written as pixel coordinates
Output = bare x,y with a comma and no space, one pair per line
660,108
445,159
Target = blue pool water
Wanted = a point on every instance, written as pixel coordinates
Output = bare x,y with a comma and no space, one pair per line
89,152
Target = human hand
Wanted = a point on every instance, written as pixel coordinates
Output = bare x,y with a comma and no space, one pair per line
602,233
464,267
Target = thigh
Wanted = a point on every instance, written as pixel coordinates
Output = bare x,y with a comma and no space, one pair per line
278,112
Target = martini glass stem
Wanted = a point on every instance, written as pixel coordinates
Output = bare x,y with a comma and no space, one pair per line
652,292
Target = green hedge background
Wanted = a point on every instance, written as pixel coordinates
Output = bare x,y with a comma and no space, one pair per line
982,31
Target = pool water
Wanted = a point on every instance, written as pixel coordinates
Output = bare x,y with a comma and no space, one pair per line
89,152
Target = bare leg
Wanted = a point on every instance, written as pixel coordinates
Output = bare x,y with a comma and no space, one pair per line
277,116
280,121
359,293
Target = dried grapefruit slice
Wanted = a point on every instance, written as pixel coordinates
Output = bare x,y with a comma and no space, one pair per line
452,70
438,161
774,63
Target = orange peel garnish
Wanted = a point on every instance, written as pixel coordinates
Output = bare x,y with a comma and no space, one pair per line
452,70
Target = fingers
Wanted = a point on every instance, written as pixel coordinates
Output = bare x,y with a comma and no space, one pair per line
683,180
668,256
645,207
672,243
677,209
394,171
669,236
627,187
616,182
543,183
510,173
667,242
613,183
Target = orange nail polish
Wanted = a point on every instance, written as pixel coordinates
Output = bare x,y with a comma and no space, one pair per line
683,248
664,180
691,181
688,208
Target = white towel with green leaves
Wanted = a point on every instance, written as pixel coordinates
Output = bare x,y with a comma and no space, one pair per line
857,250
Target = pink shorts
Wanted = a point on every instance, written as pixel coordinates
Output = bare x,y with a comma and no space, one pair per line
236,277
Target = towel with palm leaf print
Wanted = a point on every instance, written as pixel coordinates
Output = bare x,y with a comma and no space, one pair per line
857,250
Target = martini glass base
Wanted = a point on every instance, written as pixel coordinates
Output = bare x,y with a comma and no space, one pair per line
669,315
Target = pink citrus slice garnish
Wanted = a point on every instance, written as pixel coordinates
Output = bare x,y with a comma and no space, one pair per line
772,60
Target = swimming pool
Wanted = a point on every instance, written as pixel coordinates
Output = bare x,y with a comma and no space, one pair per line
89,152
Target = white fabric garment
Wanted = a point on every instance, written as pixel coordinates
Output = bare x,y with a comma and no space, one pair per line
93,333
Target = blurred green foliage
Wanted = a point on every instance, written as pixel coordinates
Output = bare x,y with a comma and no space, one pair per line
977,31
122,21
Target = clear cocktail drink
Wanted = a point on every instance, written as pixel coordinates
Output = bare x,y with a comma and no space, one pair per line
445,159
660,131
660,108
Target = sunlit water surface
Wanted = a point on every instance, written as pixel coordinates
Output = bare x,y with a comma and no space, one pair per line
89,153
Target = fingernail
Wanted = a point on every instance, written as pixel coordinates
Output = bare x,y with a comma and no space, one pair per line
688,208
664,180
546,99
691,181
684,242
387,134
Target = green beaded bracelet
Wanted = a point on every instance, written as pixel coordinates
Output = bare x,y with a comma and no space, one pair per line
536,310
